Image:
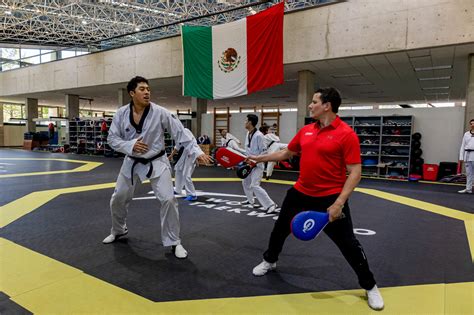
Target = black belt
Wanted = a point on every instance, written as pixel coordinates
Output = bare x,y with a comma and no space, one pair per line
469,150
227,143
145,161
180,153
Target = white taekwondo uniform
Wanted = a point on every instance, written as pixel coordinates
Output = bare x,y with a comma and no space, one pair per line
466,154
272,143
123,134
232,142
185,165
254,145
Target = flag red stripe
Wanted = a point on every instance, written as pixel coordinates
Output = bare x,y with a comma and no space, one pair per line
265,48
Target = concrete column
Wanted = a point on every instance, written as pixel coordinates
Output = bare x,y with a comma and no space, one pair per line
123,97
469,94
31,106
2,142
198,107
72,106
305,95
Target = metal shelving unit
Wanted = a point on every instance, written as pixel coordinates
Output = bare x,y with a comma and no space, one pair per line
385,144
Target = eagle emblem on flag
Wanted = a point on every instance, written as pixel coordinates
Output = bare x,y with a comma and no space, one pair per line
229,60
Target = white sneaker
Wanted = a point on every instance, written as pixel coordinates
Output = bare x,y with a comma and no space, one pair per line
465,191
112,238
262,268
272,208
374,298
180,252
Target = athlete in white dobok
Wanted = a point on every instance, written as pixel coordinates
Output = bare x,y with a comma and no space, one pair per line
254,145
185,165
466,154
230,141
273,144
138,131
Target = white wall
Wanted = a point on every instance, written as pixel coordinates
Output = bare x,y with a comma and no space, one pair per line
441,129
287,126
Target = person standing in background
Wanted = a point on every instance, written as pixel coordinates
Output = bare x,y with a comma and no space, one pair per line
230,141
254,145
466,155
273,144
184,167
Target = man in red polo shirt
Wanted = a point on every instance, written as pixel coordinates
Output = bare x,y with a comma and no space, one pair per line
329,148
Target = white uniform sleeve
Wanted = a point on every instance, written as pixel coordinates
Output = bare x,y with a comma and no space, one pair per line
260,143
178,133
273,137
115,137
230,136
266,141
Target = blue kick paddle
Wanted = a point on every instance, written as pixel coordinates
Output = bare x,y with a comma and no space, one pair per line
307,225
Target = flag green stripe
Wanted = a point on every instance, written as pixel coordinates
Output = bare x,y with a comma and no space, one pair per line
197,55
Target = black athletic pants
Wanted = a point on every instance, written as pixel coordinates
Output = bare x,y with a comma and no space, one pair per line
340,232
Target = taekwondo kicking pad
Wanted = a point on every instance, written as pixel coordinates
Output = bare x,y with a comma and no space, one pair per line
228,157
307,225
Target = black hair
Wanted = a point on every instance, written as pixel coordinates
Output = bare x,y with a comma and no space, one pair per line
133,83
331,95
264,129
253,119
470,121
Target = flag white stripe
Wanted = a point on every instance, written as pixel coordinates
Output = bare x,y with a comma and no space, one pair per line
230,35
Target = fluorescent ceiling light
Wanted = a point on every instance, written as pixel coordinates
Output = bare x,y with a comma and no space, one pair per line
434,68
350,75
8,12
448,77
436,88
443,104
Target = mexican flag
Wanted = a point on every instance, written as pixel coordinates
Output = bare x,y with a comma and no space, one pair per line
236,58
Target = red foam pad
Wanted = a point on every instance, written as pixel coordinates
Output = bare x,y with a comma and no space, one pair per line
228,157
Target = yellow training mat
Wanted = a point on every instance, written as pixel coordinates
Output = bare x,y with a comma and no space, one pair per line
45,286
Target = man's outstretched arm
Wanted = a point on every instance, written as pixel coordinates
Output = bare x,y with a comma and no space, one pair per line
273,157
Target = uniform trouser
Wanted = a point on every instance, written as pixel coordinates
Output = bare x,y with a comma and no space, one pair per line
182,179
340,232
163,188
251,186
469,174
